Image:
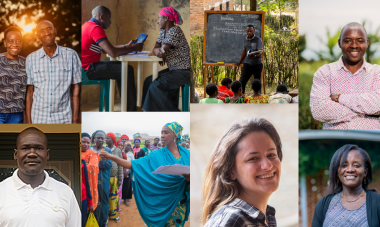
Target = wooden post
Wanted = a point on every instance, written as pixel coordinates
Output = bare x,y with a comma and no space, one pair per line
212,74
253,5
204,80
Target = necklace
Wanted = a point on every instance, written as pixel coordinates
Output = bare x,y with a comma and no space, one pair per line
351,201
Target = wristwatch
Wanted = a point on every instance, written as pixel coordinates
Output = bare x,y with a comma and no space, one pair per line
125,46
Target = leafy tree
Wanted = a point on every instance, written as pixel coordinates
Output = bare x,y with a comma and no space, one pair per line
301,46
329,53
64,14
185,137
118,135
373,38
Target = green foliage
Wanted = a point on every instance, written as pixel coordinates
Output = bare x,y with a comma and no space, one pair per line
301,47
315,155
273,22
329,53
185,137
373,38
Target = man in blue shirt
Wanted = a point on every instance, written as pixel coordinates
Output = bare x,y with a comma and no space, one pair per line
53,73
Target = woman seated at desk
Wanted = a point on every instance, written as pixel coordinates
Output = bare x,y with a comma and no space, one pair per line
172,47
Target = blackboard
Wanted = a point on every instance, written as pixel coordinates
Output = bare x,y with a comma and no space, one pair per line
224,33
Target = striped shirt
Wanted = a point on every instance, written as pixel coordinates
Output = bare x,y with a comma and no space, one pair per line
238,213
52,78
359,102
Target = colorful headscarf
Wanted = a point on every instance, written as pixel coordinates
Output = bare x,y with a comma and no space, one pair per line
137,140
96,133
124,136
177,129
113,137
119,141
172,14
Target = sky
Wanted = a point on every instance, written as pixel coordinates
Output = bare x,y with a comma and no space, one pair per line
130,123
316,16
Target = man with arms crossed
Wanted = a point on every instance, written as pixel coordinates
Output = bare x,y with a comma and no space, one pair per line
53,73
346,94
94,42
30,197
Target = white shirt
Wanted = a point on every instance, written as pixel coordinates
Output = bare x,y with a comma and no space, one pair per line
51,204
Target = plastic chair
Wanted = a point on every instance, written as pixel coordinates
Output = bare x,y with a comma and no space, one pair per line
185,97
104,90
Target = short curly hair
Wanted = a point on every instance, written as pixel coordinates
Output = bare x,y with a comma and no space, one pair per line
10,29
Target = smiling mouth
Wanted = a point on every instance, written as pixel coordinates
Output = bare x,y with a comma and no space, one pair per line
271,175
350,177
354,53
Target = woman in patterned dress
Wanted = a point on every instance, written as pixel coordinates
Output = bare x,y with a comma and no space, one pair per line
173,48
350,202
162,200
12,78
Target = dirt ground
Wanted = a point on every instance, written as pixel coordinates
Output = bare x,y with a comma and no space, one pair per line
130,217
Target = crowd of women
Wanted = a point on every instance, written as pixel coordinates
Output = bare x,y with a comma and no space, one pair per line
112,171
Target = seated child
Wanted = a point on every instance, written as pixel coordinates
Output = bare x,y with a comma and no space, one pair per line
212,92
281,95
256,97
238,96
224,90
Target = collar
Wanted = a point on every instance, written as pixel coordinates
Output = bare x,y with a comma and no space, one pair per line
18,183
95,20
341,65
42,52
252,37
251,210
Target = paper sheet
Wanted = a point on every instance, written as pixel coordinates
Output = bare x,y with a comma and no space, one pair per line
176,169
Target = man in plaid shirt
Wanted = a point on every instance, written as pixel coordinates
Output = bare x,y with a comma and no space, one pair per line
53,73
346,94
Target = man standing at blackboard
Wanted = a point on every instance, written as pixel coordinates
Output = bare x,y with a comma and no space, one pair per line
252,61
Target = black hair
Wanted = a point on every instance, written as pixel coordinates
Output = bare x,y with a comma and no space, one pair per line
235,86
96,132
225,81
10,29
85,134
250,26
256,85
281,88
352,25
335,186
31,129
211,88
157,138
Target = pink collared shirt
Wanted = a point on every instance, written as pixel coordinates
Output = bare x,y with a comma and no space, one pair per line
360,96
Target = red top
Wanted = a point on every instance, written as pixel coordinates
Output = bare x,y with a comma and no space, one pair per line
223,93
92,35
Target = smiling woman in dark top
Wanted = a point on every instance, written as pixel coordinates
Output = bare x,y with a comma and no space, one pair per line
12,78
350,202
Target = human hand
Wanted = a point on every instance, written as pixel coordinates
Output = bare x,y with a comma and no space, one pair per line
163,62
236,64
335,97
118,184
160,54
104,155
187,176
130,43
91,209
137,46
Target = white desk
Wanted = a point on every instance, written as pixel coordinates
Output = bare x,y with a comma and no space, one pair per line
124,78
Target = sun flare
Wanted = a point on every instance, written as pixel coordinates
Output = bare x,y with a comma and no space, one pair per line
28,28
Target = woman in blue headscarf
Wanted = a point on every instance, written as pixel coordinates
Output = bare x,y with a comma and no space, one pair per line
162,200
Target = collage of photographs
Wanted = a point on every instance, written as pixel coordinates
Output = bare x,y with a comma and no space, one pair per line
98,99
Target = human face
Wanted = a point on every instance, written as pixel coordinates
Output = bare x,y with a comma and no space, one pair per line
167,136
120,145
99,140
137,144
147,143
250,32
353,171
31,153
86,142
105,20
257,165
353,43
109,141
156,141
124,140
13,43
162,20
46,33
128,147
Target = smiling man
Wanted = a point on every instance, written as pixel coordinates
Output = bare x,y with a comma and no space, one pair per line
30,197
346,94
53,73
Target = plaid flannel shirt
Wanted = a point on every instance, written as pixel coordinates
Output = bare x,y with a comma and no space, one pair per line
52,79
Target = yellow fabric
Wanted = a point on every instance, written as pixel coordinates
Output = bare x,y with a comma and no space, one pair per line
91,221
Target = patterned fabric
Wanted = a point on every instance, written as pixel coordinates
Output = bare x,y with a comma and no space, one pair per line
92,161
178,56
257,100
360,95
146,150
124,136
52,78
113,198
172,14
280,99
239,100
12,84
177,129
238,213
153,147
113,137
338,216
253,44
210,100
136,150
116,170
223,93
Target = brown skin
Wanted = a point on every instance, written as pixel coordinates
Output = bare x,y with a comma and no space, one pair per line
31,155
137,144
237,95
128,147
75,88
214,95
109,142
147,144
13,43
167,139
155,143
99,140
28,104
115,51
163,23
120,145
352,188
250,32
86,143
